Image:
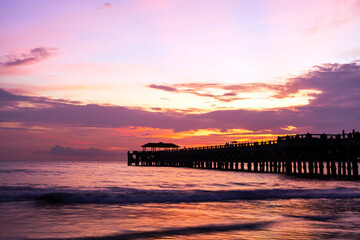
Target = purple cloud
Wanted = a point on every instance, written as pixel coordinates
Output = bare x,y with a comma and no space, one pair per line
69,151
163,87
33,56
104,6
338,83
335,108
206,89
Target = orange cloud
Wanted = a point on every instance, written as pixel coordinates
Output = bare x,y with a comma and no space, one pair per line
289,128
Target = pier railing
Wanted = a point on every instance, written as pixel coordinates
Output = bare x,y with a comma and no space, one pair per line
280,139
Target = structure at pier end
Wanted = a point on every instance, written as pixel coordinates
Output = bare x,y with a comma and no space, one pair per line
330,155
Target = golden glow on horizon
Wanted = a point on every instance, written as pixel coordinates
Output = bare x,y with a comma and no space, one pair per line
116,148
148,132
200,137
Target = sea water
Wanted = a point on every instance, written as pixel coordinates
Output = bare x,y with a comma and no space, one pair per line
110,200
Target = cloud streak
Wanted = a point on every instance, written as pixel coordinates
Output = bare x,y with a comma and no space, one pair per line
104,6
31,57
163,87
338,84
210,90
69,151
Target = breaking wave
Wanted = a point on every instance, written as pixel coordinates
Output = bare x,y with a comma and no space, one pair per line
171,232
119,195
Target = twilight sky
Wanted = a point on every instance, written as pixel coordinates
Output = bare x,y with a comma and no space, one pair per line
92,79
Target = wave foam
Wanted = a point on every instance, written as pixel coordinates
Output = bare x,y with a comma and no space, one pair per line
130,196
207,229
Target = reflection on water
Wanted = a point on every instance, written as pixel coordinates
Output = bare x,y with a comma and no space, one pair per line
279,219
332,215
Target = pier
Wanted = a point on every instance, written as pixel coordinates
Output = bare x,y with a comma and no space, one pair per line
313,155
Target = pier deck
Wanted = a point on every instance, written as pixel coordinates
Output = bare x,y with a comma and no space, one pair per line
306,155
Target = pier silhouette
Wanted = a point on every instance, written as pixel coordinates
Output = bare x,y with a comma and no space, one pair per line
326,155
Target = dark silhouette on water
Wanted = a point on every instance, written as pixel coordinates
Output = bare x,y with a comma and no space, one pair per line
310,155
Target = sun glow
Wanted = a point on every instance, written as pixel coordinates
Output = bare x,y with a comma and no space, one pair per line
289,128
200,137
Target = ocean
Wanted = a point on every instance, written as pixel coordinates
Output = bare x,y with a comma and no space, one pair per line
110,200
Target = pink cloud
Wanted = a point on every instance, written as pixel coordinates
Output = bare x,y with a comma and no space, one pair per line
70,151
335,81
16,63
33,56
104,6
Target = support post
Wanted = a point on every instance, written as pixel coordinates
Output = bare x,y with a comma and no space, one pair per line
333,168
299,167
355,169
321,168
288,167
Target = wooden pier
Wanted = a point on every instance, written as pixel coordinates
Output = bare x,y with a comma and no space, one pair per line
323,155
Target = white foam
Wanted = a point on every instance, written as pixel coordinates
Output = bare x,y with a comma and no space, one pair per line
130,196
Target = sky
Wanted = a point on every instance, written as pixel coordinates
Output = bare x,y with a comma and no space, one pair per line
93,79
